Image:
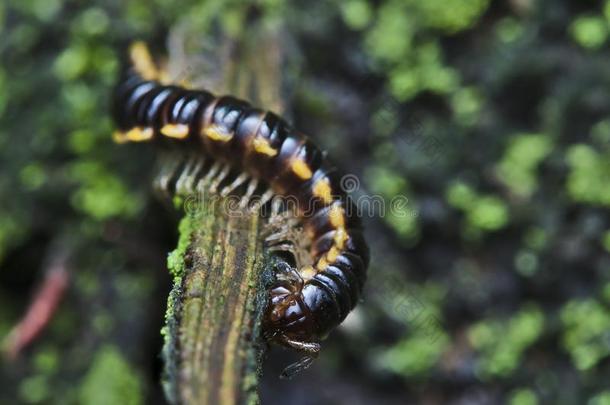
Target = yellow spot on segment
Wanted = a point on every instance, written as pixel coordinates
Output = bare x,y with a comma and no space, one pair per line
336,216
261,145
322,264
138,134
321,189
301,169
164,76
308,273
178,131
216,133
143,61
340,238
332,254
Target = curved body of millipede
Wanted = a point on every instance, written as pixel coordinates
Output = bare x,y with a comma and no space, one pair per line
307,300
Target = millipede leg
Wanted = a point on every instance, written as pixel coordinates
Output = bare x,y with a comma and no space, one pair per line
312,349
239,180
181,187
283,247
286,272
249,192
221,176
267,195
281,222
167,172
157,187
276,205
280,235
208,177
284,232
290,240
190,182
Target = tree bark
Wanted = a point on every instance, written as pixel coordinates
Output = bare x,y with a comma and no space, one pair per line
213,344
213,347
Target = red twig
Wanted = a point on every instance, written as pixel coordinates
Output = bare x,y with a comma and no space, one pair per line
40,311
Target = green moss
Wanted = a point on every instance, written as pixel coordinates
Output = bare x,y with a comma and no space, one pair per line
590,32
589,177
175,260
111,380
499,357
517,169
586,323
172,303
523,396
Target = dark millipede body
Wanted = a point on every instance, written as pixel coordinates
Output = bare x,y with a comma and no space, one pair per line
305,302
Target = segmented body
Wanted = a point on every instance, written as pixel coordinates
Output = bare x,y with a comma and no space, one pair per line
306,302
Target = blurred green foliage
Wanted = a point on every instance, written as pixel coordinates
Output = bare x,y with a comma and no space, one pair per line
110,380
589,31
502,343
483,212
586,331
523,397
517,169
589,179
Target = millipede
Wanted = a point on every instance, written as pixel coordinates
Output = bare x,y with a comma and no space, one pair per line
320,272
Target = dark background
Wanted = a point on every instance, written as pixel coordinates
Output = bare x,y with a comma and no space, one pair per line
482,126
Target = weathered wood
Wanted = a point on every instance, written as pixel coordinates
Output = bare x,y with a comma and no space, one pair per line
212,339
213,343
